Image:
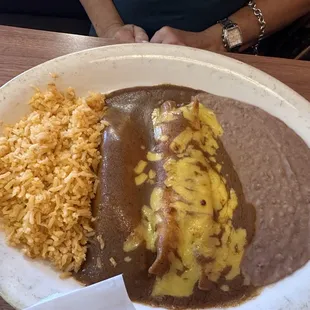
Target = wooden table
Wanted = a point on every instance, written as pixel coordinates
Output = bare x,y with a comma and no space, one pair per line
21,49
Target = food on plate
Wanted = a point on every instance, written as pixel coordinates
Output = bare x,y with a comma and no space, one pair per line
48,164
188,221
256,155
198,200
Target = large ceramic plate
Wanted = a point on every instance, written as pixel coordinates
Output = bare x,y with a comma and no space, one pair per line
24,282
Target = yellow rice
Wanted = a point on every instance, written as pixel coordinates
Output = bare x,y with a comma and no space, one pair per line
48,164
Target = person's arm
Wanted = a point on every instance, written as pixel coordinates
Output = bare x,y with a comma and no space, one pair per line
277,14
109,24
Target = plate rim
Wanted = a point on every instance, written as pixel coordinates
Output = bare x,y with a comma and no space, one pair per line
163,47
260,77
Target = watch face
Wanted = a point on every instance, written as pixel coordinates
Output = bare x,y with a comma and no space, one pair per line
233,37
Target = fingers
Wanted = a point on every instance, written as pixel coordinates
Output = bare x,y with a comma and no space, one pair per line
140,35
131,34
167,35
159,36
125,34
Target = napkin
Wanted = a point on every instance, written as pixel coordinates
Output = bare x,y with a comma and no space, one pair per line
109,294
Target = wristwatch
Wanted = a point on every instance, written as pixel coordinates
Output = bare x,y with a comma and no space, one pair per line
231,35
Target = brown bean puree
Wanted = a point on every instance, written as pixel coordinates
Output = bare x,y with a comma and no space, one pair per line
267,167
272,163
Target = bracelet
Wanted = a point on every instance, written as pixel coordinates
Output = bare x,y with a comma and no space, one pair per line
260,17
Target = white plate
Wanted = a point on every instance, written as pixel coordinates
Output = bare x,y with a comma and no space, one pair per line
24,282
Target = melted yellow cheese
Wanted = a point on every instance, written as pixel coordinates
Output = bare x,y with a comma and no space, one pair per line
152,174
163,138
154,156
159,117
199,192
141,178
180,143
140,166
134,239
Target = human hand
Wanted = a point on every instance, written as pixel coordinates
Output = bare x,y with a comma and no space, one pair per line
210,39
127,33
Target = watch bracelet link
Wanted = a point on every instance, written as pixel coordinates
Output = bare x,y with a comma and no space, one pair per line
262,23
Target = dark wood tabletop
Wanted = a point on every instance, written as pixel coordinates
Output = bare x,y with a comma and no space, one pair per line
21,49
